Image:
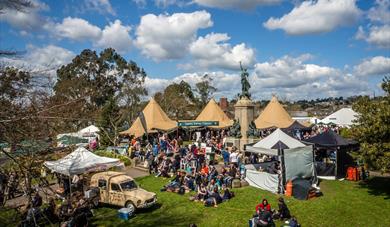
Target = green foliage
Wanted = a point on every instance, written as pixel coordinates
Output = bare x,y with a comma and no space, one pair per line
204,89
110,121
126,160
346,133
178,101
373,129
90,80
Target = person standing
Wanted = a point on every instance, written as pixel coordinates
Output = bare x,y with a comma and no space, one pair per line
234,157
225,156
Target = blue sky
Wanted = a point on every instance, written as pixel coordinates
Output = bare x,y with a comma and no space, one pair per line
296,49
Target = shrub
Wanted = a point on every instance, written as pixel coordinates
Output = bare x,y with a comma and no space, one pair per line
126,160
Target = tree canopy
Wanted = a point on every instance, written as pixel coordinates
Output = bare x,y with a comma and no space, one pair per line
373,129
178,101
90,80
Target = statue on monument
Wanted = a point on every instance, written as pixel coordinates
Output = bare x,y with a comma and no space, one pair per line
245,86
235,130
252,131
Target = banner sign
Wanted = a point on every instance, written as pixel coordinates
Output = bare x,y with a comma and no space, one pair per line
197,123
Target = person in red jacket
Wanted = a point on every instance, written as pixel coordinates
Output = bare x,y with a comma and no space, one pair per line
264,205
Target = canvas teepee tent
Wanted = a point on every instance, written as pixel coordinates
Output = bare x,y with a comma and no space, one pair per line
274,115
212,112
151,119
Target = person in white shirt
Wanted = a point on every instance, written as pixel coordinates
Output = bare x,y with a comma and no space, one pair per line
234,157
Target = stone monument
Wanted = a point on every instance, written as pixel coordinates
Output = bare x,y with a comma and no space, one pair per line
244,111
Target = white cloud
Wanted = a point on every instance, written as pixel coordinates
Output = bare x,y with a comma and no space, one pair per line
377,35
374,66
116,36
100,6
140,3
213,51
166,3
226,84
378,31
289,77
316,17
28,19
169,36
76,29
380,12
41,62
288,72
236,4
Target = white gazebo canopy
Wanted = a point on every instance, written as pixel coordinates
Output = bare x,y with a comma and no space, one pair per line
276,140
81,161
89,129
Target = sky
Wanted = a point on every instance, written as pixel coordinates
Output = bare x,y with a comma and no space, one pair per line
295,49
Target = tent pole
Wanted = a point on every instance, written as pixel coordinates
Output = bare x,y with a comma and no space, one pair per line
70,188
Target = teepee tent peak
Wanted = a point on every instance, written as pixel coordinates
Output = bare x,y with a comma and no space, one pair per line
273,115
213,112
151,119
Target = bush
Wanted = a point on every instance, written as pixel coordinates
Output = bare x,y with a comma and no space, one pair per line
126,160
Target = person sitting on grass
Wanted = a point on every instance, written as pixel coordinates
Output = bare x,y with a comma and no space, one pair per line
227,194
214,199
205,169
202,193
211,186
264,205
283,212
264,219
189,182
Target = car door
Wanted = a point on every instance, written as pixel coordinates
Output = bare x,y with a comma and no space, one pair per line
102,184
116,195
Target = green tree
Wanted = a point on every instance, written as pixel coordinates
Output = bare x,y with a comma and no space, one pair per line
205,90
90,80
178,101
372,129
110,122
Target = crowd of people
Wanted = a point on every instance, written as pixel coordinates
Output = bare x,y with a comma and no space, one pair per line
73,212
193,169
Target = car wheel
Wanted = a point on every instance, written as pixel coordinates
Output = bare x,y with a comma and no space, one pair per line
130,206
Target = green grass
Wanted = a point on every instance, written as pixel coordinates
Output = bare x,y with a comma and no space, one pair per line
343,204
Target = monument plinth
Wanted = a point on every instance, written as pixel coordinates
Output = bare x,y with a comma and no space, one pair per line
244,112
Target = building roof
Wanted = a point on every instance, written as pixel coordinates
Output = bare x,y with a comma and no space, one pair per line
154,119
342,117
213,112
273,115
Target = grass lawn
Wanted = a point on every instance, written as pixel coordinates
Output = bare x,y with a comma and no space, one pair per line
343,204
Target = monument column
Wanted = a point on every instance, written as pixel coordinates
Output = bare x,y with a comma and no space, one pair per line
244,112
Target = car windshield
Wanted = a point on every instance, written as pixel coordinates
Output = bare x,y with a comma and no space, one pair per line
128,185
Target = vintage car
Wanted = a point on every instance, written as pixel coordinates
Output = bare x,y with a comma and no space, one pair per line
119,189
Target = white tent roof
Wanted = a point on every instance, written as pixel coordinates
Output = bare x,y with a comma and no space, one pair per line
342,117
267,145
81,161
89,129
